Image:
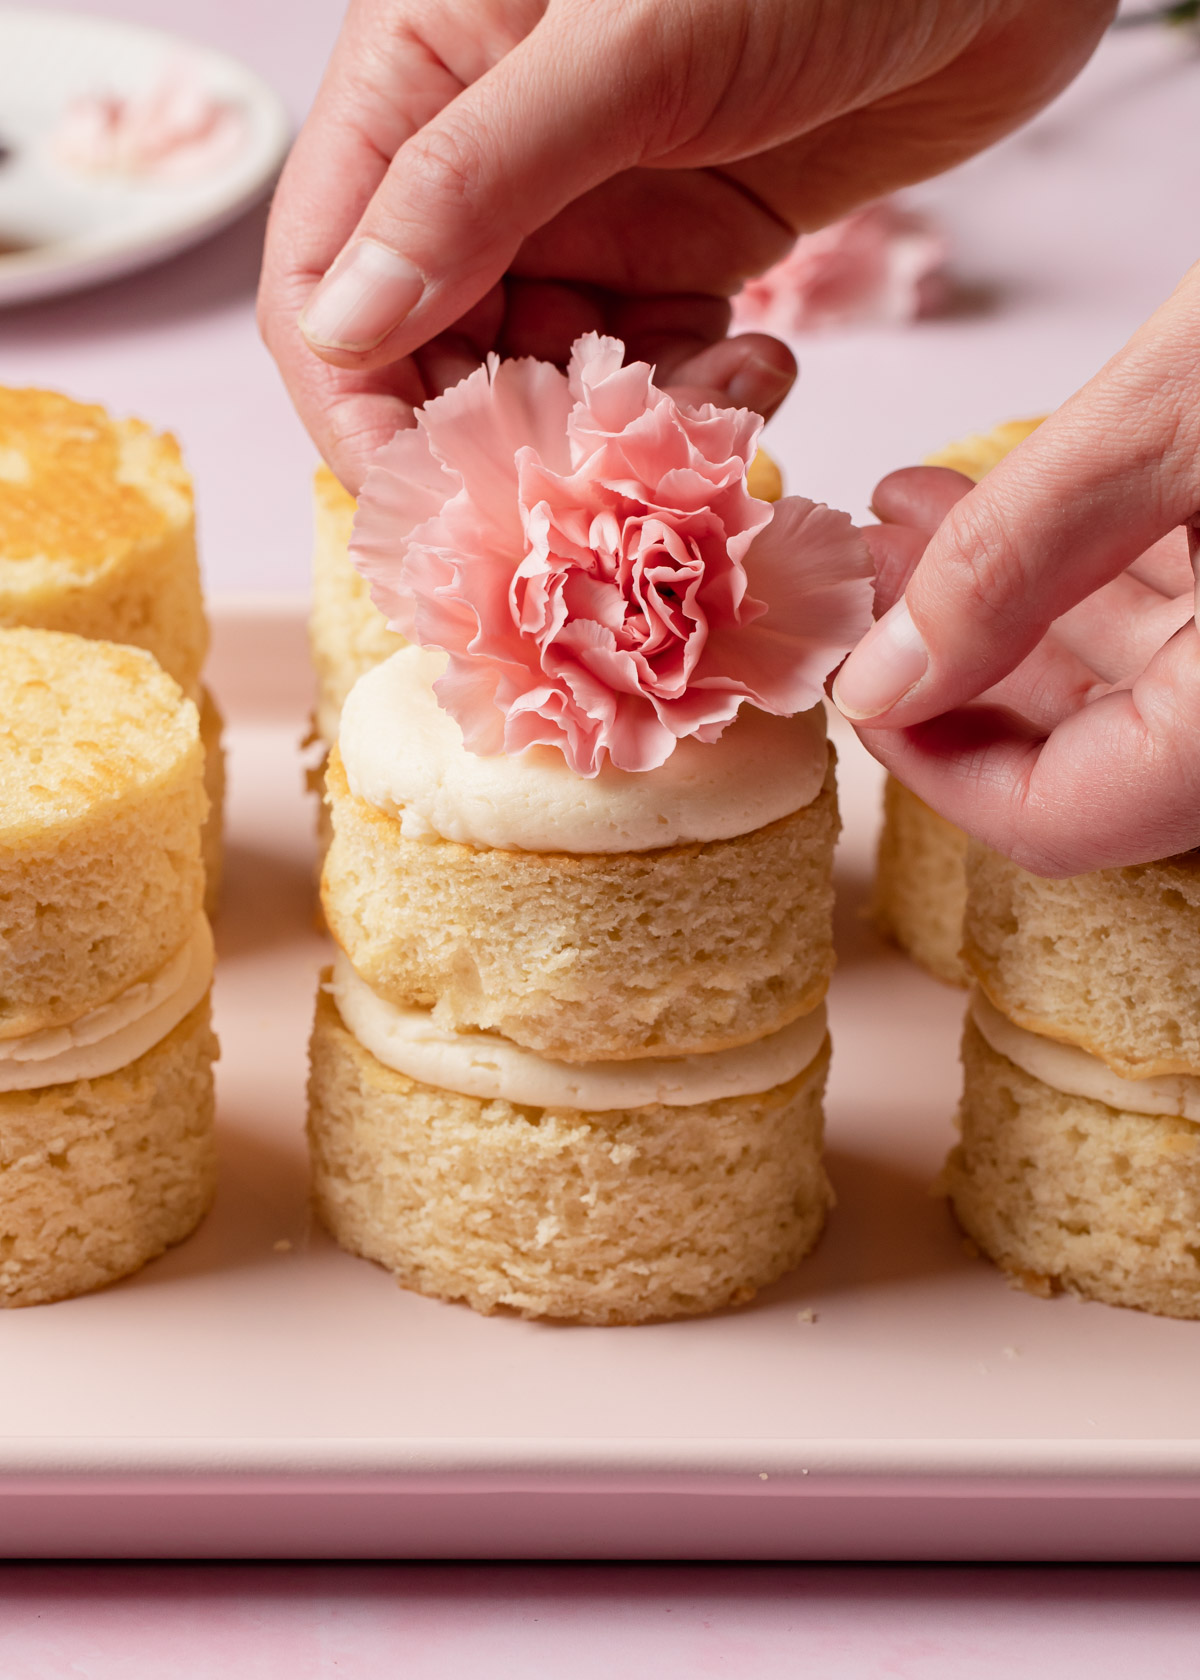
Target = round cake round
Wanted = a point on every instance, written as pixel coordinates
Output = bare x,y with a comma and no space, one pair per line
610,1215
105,965
586,920
98,538
1107,961
97,531
1071,1177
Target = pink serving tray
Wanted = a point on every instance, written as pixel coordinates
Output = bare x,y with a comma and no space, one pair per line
258,1393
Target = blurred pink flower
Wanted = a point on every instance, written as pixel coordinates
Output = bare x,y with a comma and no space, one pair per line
881,264
586,552
176,128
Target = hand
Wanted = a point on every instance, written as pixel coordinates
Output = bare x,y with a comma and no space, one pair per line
506,174
1038,678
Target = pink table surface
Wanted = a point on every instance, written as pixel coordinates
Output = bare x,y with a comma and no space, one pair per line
1066,237
519,1622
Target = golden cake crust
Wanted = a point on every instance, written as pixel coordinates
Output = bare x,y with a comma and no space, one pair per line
1067,1193
212,835
589,958
100,1175
611,1218
97,530
101,801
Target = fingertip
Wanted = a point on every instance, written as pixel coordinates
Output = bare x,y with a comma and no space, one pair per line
367,294
752,371
918,496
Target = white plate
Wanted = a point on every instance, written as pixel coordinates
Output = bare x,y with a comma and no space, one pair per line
256,1392
60,231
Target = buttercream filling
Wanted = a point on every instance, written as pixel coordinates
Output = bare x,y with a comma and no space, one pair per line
118,1032
1066,1068
492,1068
404,755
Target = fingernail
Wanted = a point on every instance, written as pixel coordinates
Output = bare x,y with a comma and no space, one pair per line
890,660
758,384
365,295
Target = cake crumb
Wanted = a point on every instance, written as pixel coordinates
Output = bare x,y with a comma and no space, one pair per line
1012,1353
806,1315
283,1246
762,1475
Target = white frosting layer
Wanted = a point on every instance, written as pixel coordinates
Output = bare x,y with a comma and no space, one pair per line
1064,1067
404,755
492,1068
117,1033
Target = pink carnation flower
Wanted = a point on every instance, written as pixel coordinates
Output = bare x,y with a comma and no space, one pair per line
882,264
587,554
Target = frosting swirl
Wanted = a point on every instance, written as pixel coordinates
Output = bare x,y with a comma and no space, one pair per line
404,755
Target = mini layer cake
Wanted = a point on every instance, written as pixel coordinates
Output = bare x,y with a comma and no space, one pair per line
106,1091
920,879
97,538
1079,1165
583,1081
570,1059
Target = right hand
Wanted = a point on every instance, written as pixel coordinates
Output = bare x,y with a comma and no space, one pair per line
483,175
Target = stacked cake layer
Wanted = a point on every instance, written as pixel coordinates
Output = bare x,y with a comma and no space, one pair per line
97,538
106,959
1079,1165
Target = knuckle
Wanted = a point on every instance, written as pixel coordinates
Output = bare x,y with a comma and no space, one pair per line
985,564
443,171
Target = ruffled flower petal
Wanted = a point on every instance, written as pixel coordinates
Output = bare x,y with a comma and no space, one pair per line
588,555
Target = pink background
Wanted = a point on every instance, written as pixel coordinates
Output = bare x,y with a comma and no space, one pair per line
1066,237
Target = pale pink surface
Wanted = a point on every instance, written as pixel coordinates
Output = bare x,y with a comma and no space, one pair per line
176,130
420,1622
880,265
586,552
1072,233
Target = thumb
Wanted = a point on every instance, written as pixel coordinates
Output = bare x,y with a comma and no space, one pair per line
554,117
1115,469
